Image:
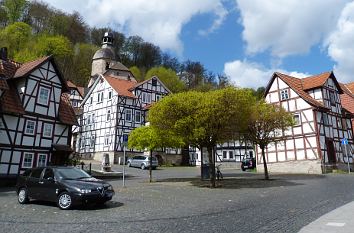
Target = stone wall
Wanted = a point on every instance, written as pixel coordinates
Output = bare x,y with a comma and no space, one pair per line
302,167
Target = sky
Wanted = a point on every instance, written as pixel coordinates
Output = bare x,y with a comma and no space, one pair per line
248,40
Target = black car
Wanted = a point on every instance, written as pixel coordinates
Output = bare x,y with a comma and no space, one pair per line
67,186
248,162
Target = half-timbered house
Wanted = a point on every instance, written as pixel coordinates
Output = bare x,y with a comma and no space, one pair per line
115,104
313,145
35,116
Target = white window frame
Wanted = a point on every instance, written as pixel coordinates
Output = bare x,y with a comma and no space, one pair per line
128,114
24,158
137,114
82,142
110,94
92,141
298,121
144,97
284,94
45,131
45,160
40,100
157,97
32,132
148,97
231,154
332,98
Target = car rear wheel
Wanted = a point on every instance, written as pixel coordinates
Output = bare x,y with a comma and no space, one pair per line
142,167
23,196
64,201
243,169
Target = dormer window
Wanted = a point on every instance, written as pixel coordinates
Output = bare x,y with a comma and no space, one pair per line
284,94
43,95
332,98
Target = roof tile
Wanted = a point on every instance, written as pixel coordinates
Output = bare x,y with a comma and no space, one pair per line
11,103
122,87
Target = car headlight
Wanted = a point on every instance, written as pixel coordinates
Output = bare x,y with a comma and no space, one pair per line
85,190
110,188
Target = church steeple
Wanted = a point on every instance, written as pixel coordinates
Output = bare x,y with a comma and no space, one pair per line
107,40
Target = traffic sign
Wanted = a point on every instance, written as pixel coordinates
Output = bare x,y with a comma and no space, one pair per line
344,141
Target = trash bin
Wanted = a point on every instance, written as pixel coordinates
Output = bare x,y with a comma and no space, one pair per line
205,172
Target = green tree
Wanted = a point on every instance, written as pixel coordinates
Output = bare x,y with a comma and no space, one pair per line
15,9
266,125
168,77
149,138
137,73
15,37
204,119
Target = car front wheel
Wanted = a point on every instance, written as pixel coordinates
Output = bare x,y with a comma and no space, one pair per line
64,201
23,196
128,164
143,167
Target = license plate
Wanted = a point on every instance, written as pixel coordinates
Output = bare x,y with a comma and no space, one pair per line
245,166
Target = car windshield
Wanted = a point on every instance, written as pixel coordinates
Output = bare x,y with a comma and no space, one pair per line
71,173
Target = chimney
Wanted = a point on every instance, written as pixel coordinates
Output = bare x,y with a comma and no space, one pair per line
3,53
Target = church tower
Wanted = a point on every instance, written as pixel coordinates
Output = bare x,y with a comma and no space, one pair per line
104,56
104,62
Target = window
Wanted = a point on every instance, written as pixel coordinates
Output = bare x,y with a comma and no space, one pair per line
148,98
284,94
144,97
128,115
332,98
110,95
82,142
154,81
224,154
108,117
36,173
43,96
100,97
30,126
27,160
91,100
297,119
137,116
231,154
158,97
93,141
106,140
42,160
89,119
48,173
325,119
47,130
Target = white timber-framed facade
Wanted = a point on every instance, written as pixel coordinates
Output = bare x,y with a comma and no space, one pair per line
313,145
114,105
35,116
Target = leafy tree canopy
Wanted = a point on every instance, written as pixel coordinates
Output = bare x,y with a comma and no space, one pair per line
168,77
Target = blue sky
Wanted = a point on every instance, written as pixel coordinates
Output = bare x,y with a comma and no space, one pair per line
247,40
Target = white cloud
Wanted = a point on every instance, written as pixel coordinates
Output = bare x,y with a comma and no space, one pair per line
248,74
341,45
156,21
287,27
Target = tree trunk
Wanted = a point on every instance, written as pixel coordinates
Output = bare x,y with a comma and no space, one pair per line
266,175
211,157
150,167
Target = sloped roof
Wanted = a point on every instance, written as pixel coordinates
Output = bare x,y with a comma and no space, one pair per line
350,87
8,68
122,87
28,67
147,80
66,112
347,98
319,80
71,85
3,84
10,102
297,85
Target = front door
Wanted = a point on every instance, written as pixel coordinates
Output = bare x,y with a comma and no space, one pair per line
48,185
331,153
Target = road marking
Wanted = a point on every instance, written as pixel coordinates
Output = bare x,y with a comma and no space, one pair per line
336,224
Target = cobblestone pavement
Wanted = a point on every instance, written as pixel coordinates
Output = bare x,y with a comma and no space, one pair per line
179,202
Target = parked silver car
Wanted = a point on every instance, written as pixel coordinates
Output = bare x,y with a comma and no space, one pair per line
142,162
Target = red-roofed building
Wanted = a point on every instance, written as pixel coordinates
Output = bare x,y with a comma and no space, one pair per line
323,119
115,105
35,116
